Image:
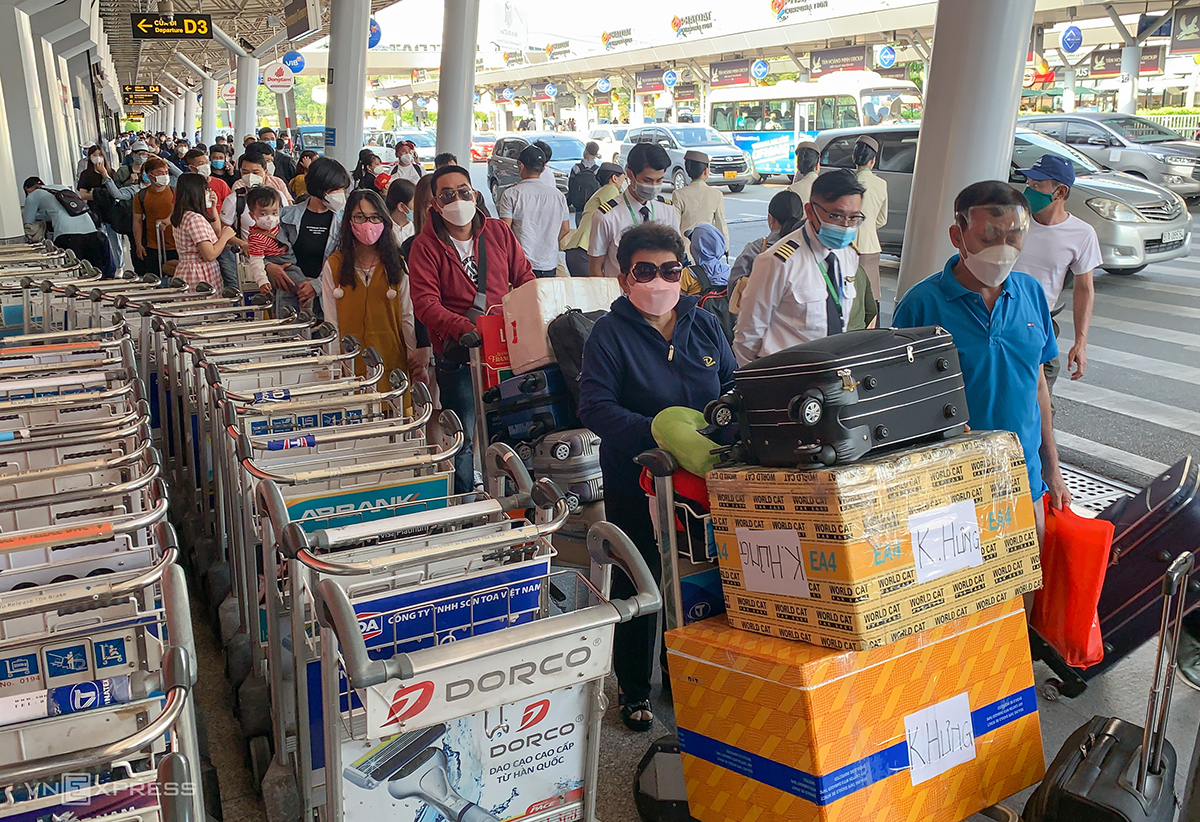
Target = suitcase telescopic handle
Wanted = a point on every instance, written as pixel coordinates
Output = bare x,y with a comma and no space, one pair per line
1174,590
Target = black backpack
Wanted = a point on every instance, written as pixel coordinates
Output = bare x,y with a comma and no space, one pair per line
568,332
582,185
120,217
715,300
72,202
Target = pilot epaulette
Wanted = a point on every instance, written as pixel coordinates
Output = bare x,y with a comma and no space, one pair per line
604,208
787,249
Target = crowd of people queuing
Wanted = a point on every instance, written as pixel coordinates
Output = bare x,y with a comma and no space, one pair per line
406,261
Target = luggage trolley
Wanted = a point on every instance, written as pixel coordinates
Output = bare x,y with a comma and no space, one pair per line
494,725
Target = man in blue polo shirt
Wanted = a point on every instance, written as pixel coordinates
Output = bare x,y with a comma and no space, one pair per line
1001,326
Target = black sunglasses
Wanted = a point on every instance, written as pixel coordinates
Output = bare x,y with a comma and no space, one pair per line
447,197
644,271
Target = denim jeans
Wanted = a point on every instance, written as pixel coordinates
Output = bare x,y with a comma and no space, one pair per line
228,263
457,396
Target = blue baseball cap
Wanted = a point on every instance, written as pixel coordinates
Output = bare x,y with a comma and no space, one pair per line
1052,167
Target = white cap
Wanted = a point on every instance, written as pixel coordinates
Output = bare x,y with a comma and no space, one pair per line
139,145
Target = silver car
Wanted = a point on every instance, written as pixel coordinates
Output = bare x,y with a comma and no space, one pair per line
1127,143
1137,222
728,164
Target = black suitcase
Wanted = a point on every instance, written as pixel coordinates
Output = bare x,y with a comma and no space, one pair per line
834,400
1111,770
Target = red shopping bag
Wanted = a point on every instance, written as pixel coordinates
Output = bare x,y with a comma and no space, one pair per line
494,348
1074,560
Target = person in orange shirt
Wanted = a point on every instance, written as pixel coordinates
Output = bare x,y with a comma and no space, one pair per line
152,207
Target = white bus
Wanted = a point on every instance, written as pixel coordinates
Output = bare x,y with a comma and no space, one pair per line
766,121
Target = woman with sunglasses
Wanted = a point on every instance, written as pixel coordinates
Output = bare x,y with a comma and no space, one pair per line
364,286
653,350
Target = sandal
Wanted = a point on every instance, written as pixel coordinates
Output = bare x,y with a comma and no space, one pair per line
637,716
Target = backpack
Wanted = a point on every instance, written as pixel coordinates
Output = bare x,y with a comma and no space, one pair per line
567,334
715,301
120,217
72,202
582,185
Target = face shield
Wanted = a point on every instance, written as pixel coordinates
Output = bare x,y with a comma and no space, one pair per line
992,238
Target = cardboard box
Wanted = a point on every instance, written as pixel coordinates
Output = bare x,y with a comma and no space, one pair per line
777,731
860,555
530,308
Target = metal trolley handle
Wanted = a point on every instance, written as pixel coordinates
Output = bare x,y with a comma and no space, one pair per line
607,545
177,679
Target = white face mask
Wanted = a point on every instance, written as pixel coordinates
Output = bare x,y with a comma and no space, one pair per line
992,265
252,180
204,170
270,169
266,221
97,159
405,159
162,180
459,212
647,191
336,200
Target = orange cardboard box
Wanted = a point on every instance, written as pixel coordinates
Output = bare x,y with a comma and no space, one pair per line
933,727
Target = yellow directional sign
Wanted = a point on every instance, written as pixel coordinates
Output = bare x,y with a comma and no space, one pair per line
182,27
151,88
140,99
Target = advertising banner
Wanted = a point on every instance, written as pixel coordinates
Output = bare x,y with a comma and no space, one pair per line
648,81
731,73
1107,62
686,92
1185,31
831,60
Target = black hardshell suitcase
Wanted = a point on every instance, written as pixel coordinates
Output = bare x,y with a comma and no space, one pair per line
834,400
1110,770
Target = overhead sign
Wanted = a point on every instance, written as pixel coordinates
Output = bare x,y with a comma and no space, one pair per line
603,85
601,98
670,78
229,93
279,78
831,60
685,92
731,73
183,27
152,88
886,57
139,99
295,61
1071,39
560,49
538,92
759,69
508,95
647,81
692,23
422,102
551,90
1107,63
475,99
615,39
396,104
1185,31
302,18
374,34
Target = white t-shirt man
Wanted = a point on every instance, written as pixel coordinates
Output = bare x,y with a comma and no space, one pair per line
615,217
1051,249
537,212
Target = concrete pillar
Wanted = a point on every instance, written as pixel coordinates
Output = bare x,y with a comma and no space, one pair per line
189,114
1127,91
281,111
50,87
964,138
537,116
26,116
209,105
169,119
349,23
74,133
179,126
456,85
246,120
1068,98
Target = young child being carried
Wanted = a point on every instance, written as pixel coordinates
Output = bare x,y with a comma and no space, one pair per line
262,243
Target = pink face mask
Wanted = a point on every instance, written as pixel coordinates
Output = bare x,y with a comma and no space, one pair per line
368,233
656,297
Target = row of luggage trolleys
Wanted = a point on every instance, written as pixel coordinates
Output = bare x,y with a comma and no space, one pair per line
378,629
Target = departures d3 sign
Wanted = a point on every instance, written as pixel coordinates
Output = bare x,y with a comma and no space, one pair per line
180,27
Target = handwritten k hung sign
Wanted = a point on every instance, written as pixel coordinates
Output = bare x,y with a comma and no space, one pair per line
945,540
772,562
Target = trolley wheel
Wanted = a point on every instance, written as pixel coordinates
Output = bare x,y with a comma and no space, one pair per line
562,451
807,408
572,503
491,395
259,756
826,456
524,451
1051,689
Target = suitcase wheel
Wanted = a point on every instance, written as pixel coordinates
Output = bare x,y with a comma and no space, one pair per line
525,452
720,412
491,395
807,408
562,451
572,503
533,383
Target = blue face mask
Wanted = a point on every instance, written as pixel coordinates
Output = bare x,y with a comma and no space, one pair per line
218,164
145,177
836,236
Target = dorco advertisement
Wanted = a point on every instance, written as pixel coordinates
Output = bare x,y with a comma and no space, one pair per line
504,763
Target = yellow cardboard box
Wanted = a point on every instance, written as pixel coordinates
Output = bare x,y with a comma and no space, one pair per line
855,555
934,727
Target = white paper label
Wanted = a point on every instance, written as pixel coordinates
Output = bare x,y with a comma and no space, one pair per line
772,562
945,540
939,737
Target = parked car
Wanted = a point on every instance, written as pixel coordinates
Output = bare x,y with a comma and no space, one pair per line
382,143
1137,222
481,147
565,151
609,138
1127,143
425,141
728,166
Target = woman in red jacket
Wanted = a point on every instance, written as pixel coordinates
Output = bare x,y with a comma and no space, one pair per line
461,264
